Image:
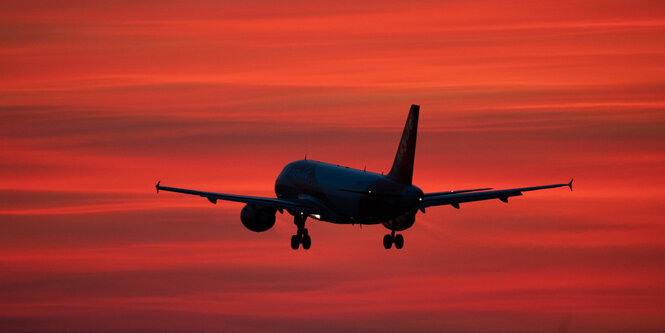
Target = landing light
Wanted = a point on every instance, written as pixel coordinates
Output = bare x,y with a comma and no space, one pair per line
315,216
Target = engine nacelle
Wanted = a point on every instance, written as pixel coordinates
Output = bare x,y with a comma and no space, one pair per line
402,222
257,219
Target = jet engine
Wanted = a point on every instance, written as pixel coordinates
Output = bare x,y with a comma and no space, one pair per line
401,222
257,219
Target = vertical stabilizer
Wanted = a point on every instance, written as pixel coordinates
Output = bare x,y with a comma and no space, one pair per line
402,170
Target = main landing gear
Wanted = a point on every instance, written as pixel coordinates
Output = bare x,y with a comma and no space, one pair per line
302,236
390,239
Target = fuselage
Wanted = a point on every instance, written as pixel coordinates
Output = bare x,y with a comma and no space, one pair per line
346,195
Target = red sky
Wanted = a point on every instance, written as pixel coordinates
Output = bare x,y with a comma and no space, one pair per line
99,100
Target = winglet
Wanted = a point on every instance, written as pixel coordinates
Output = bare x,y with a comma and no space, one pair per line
157,186
570,185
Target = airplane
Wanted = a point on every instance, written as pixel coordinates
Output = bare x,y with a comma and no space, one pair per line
342,195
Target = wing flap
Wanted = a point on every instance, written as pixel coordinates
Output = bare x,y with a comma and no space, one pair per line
434,194
261,201
456,197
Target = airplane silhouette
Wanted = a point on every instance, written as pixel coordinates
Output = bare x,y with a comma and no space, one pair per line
342,195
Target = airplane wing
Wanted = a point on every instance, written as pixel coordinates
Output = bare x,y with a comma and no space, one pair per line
260,201
454,198
455,192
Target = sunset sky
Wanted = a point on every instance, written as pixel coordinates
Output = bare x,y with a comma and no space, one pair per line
101,99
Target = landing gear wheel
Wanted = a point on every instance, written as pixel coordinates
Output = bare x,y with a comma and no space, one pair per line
301,236
306,242
295,242
387,241
399,241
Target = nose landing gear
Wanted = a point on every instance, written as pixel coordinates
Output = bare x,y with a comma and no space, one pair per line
301,236
390,239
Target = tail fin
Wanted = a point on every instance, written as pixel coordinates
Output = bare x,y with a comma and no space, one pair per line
402,170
